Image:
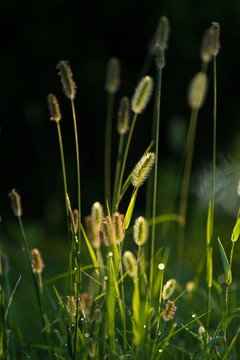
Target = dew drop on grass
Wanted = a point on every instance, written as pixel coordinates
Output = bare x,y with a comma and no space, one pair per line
160,350
105,278
86,335
110,254
75,269
161,266
194,315
144,326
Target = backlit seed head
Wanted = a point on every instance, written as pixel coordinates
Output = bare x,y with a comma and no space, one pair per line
216,38
97,214
113,75
71,305
130,264
123,116
142,169
54,108
140,231
37,263
107,231
142,94
163,33
119,232
65,72
197,91
16,202
168,289
169,310
93,232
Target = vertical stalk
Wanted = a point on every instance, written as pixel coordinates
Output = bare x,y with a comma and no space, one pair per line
117,173
108,148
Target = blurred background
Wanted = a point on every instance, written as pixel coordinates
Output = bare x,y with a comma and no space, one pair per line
35,36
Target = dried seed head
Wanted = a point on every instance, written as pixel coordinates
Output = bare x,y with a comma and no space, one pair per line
142,169
119,232
123,116
93,232
130,264
37,263
113,75
168,289
16,202
216,38
169,310
97,214
142,94
54,108
197,91
65,72
140,231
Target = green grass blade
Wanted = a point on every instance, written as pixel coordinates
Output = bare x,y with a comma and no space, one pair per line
226,266
130,209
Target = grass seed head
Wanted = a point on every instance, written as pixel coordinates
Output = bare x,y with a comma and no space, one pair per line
107,231
140,231
37,263
216,38
97,214
16,202
169,289
197,91
206,50
123,116
163,33
113,75
93,232
54,108
130,264
65,72
142,169
142,94
119,232
169,310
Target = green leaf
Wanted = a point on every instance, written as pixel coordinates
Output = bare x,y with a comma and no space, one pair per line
91,251
236,231
226,266
136,313
129,212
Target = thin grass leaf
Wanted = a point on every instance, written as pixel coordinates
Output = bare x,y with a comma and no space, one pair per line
226,266
130,209
11,297
231,345
208,345
236,231
91,251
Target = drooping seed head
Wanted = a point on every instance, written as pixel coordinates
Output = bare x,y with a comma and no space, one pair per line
142,94
37,263
140,231
93,232
169,310
142,169
97,214
130,264
216,38
65,72
123,116
168,289
197,90
54,108
113,75
119,232
16,202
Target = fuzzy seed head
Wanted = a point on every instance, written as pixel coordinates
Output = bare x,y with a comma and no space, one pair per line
107,231
142,95
207,46
160,57
169,289
97,214
119,232
54,108
216,38
71,305
163,33
65,72
197,91
130,264
123,116
169,310
37,263
113,75
140,231
16,202
142,169
93,232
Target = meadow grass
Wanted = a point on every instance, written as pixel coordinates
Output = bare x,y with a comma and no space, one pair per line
124,293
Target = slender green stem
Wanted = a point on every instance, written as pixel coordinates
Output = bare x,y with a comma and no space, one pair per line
126,154
78,174
117,173
158,103
108,148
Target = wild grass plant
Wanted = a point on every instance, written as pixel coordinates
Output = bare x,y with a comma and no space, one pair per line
121,299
